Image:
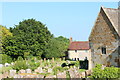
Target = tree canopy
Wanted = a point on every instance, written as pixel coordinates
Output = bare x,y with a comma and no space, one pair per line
32,38
4,33
29,36
57,47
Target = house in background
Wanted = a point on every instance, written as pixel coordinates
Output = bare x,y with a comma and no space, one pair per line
78,50
105,37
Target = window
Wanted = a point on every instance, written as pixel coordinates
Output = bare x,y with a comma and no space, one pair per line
103,50
75,50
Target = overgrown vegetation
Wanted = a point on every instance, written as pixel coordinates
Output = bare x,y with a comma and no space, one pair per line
5,69
107,72
5,59
20,64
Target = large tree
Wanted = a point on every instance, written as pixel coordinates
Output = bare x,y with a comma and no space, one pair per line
57,47
29,36
4,33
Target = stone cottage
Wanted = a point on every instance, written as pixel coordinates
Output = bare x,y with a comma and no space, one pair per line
104,38
78,50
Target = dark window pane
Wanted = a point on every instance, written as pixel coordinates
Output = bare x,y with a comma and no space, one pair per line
103,50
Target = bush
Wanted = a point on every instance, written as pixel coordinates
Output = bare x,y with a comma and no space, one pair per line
33,65
56,69
108,72
67,75
5,59
20,64
77,64
5,69
81,70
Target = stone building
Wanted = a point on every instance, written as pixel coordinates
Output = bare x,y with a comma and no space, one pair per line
104,38
78,50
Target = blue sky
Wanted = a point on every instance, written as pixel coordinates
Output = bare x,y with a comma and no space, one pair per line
68,19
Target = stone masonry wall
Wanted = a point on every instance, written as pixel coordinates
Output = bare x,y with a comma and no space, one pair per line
103,36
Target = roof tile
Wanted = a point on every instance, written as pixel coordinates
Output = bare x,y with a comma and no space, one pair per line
79,45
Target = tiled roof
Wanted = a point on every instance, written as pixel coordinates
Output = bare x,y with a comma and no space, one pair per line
112,14
79,45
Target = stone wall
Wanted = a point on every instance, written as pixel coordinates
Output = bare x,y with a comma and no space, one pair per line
102,35
73,72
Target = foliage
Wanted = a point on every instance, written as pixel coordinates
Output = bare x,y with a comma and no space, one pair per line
4,32
76,63
30,37
33,65
20,64
45,74
26,55
107,72
67,75
81,70
56,69
5,59
57,47
60,69
5,69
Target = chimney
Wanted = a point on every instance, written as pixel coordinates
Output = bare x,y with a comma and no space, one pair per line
70,39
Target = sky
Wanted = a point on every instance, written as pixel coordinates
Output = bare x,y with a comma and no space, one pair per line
68,19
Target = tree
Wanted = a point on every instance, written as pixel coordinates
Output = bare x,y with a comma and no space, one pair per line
4,33
57,47
30,36
5,59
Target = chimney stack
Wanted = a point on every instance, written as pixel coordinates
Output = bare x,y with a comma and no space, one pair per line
70,39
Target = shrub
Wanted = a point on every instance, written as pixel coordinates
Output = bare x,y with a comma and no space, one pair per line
67,75
20,64
76,63
108,72
5,69
56,69
5,59
65,68
81,70
33,65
